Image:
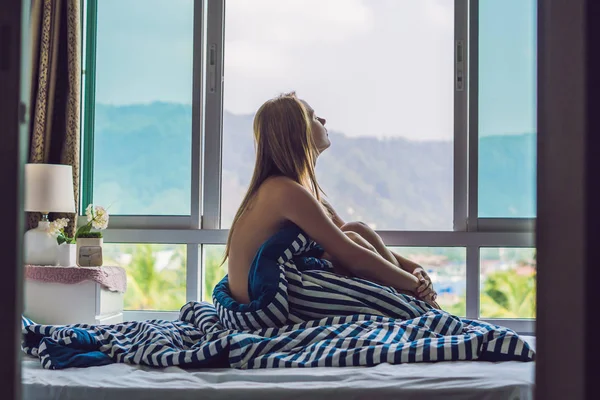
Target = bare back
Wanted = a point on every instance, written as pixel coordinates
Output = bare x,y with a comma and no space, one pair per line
257,225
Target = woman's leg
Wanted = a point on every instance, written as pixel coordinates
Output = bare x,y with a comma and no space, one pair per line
369,235
356,238
364,242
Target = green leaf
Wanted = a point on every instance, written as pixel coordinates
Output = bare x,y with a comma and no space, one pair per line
61,239
90,235
83,229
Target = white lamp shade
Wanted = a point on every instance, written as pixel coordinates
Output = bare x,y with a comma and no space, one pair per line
49,188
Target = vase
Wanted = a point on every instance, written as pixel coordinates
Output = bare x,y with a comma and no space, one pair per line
39,247
89,252
66,255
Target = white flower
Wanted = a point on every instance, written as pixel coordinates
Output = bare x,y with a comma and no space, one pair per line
97,216
56,226
88,213
100,211
100,223
100,220
52,229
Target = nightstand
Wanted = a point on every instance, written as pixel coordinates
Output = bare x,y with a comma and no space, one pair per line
74,295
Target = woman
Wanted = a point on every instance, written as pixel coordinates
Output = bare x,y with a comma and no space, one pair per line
289,137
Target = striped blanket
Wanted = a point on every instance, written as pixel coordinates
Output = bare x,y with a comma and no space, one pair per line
301,315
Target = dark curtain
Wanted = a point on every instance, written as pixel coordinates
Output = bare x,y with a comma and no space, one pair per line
56,88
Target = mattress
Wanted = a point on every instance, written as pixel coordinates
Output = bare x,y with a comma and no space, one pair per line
444,380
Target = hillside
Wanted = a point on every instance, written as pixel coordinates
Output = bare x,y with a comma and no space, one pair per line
142,165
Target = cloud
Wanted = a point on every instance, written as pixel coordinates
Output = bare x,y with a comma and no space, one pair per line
440,12
254,58
376,68
379,68
296,22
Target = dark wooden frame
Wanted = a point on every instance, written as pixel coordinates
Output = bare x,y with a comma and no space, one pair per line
14,92
568,219
568,194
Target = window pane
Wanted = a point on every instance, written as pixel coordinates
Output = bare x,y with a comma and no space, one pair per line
380,72
508,282
507,108
213,271
155,274
448,271
142,135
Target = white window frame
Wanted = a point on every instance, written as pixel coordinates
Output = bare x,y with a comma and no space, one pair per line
202,226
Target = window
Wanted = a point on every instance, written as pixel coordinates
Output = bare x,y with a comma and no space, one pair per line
141,136
441,165
507,108
389,107
508,282
155,274
447,268
213,270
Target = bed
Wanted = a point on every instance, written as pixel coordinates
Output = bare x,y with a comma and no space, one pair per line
443,380
307,333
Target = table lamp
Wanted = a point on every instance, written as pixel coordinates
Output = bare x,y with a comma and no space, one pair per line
48,188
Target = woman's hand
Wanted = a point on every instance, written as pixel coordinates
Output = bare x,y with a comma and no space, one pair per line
432,303
425,290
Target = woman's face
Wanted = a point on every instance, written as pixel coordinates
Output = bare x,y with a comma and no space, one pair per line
319,132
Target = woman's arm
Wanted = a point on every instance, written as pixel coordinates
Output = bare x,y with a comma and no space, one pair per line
373,238
405,263
364,231
294,203
337,220
368,235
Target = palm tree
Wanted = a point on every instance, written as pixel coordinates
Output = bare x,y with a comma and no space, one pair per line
508,294
149,288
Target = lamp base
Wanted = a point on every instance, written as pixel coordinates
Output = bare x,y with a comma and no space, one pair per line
40,248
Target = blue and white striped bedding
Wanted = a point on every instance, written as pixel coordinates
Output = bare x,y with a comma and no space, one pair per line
301,315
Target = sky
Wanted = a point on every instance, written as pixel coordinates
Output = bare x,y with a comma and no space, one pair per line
380,68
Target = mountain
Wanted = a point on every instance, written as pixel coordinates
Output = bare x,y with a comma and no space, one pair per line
143,152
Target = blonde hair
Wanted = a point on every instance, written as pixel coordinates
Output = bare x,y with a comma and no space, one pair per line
284,147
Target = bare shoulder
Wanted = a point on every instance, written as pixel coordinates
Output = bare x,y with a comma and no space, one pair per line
281,189
285,196
293,202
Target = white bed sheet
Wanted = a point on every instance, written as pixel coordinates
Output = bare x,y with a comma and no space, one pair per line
444,380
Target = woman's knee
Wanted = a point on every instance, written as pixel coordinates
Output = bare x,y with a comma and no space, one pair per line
358,239
362,229
352,235
355,226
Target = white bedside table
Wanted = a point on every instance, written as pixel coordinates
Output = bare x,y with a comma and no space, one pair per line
62,296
